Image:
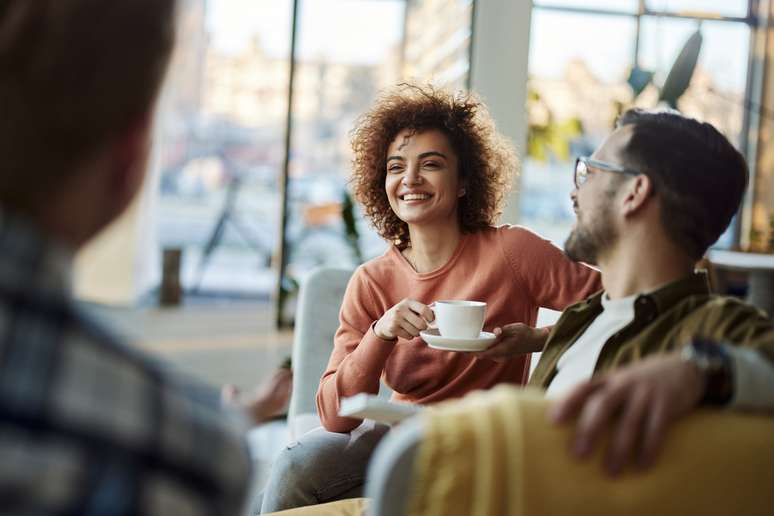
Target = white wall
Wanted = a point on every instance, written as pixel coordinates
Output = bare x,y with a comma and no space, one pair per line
122,263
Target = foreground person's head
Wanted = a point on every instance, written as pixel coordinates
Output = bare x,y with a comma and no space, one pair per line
78,84
658,173
473,163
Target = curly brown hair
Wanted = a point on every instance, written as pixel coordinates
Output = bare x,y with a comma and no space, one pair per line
487,161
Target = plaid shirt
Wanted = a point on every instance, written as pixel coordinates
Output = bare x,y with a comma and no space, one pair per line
90,426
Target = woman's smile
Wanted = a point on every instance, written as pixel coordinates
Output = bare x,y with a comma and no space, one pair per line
415,197
422,180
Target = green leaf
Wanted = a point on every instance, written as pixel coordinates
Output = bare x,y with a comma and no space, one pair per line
350,225
679,77
554,138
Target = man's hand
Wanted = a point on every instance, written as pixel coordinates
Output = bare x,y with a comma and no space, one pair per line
637,403
513,340
406,319
268,400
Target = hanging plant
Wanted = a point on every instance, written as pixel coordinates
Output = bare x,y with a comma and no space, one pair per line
350,226
545,136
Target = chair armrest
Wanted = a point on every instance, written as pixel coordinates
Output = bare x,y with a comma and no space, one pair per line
494,453
391,467
317,318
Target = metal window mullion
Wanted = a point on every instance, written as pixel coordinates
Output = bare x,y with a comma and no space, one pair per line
281,262
644,11
404,39
638,33
753,106
471,42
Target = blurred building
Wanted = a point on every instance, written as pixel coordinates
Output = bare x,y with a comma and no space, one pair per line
437,41
246,88
185,84
250,89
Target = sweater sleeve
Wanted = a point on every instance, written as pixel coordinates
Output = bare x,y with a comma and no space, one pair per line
358,356
552,279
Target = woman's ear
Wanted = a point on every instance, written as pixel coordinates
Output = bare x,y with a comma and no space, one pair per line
461,192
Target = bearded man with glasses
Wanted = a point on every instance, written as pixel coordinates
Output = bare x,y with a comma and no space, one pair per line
655,344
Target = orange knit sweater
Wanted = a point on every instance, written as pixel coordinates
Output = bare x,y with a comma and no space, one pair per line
514,270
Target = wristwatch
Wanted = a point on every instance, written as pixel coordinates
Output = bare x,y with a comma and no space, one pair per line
714,363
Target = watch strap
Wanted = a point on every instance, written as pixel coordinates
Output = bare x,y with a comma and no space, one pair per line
714,362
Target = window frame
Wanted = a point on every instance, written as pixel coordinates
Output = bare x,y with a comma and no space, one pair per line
757,21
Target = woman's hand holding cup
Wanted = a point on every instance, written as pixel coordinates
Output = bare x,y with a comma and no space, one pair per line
406,319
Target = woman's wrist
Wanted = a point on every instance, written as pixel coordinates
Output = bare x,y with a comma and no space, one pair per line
380,335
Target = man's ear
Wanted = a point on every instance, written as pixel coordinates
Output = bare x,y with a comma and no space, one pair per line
638,191
130,158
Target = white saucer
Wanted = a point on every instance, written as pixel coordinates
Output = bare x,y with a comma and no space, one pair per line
436,341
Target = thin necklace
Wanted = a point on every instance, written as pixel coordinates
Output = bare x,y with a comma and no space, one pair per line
407,255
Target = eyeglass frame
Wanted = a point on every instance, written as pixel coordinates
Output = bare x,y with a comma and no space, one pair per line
601,165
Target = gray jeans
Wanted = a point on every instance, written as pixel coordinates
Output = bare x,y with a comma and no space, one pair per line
321,467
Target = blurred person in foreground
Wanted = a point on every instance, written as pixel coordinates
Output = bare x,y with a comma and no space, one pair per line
656,343
89,425
431,172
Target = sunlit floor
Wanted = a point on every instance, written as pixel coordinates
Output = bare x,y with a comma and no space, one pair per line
225,342
220,342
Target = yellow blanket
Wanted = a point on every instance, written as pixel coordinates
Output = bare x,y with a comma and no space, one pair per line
494,454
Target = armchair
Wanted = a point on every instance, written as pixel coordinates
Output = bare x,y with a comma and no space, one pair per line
317,319
494,454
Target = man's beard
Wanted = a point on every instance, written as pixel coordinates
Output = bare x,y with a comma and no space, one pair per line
587,242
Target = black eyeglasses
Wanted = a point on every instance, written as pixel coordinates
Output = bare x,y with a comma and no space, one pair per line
583,163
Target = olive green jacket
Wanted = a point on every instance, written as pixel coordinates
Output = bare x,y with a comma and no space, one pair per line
664,320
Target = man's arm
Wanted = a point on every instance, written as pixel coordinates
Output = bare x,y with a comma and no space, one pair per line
269,399
637,404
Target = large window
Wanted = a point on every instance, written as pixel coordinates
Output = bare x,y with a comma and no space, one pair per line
627,6
620,56
348,51
222,143
437,41
234,132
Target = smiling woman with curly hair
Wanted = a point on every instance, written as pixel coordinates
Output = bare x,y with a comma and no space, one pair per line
487,162
431,173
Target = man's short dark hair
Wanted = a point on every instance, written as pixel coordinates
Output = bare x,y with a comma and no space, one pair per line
73,75
699,177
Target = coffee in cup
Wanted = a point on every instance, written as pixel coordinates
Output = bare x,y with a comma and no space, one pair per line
457,319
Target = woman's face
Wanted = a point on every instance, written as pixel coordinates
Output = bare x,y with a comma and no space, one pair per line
422,183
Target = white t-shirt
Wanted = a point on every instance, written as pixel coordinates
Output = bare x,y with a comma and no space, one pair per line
753,374
577,364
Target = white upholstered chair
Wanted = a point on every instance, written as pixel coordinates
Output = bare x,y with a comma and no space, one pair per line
317,318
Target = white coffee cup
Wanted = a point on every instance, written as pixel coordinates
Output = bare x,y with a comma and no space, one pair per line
459,319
